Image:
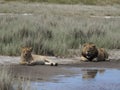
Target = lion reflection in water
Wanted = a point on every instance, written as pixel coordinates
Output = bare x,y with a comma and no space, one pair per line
91,73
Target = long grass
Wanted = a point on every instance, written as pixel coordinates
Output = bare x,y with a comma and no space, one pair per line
8,82
90,2
55,35
5,80
55,30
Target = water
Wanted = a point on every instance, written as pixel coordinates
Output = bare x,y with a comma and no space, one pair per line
87,79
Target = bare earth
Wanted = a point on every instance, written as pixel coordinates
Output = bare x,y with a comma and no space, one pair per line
45,72
41,72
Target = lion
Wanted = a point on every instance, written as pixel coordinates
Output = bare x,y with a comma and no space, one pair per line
91,53
29,59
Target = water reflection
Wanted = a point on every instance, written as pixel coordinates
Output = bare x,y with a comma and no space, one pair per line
91,73
86,79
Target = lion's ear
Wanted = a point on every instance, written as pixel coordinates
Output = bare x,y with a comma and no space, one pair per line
93,45
22,48
85,44
31,49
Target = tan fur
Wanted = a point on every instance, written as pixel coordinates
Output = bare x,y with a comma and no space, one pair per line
29,59
102,54
91,53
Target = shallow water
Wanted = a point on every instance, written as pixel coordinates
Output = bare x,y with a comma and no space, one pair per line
87,79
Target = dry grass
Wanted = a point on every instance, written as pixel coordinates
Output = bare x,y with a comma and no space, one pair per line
50,35
7,82
88,2
59,10
56,29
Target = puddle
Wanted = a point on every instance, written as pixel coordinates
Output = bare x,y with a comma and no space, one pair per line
87,79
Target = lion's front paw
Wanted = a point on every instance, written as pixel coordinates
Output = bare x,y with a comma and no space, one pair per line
83,59
23,63
95,60
31,63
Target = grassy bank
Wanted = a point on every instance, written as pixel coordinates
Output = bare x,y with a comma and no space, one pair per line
88,2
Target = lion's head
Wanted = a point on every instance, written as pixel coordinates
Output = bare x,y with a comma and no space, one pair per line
26,52
89,51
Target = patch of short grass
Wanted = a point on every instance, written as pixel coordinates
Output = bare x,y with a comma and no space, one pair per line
58,9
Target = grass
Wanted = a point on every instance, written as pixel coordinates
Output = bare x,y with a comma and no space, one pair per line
58,9
55,30
7,82
88,2
56,35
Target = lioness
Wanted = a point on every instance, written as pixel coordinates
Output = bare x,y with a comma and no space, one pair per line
91,53
29,59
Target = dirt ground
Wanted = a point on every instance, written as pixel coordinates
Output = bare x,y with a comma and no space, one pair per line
42,72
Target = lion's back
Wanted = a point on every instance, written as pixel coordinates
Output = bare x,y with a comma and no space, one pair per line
38,57
102,54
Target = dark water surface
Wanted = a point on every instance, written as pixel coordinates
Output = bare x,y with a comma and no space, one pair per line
87,79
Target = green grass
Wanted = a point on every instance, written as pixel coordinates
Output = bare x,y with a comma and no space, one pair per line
55,35
8,82
5,80
56,29
88,2
59,10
